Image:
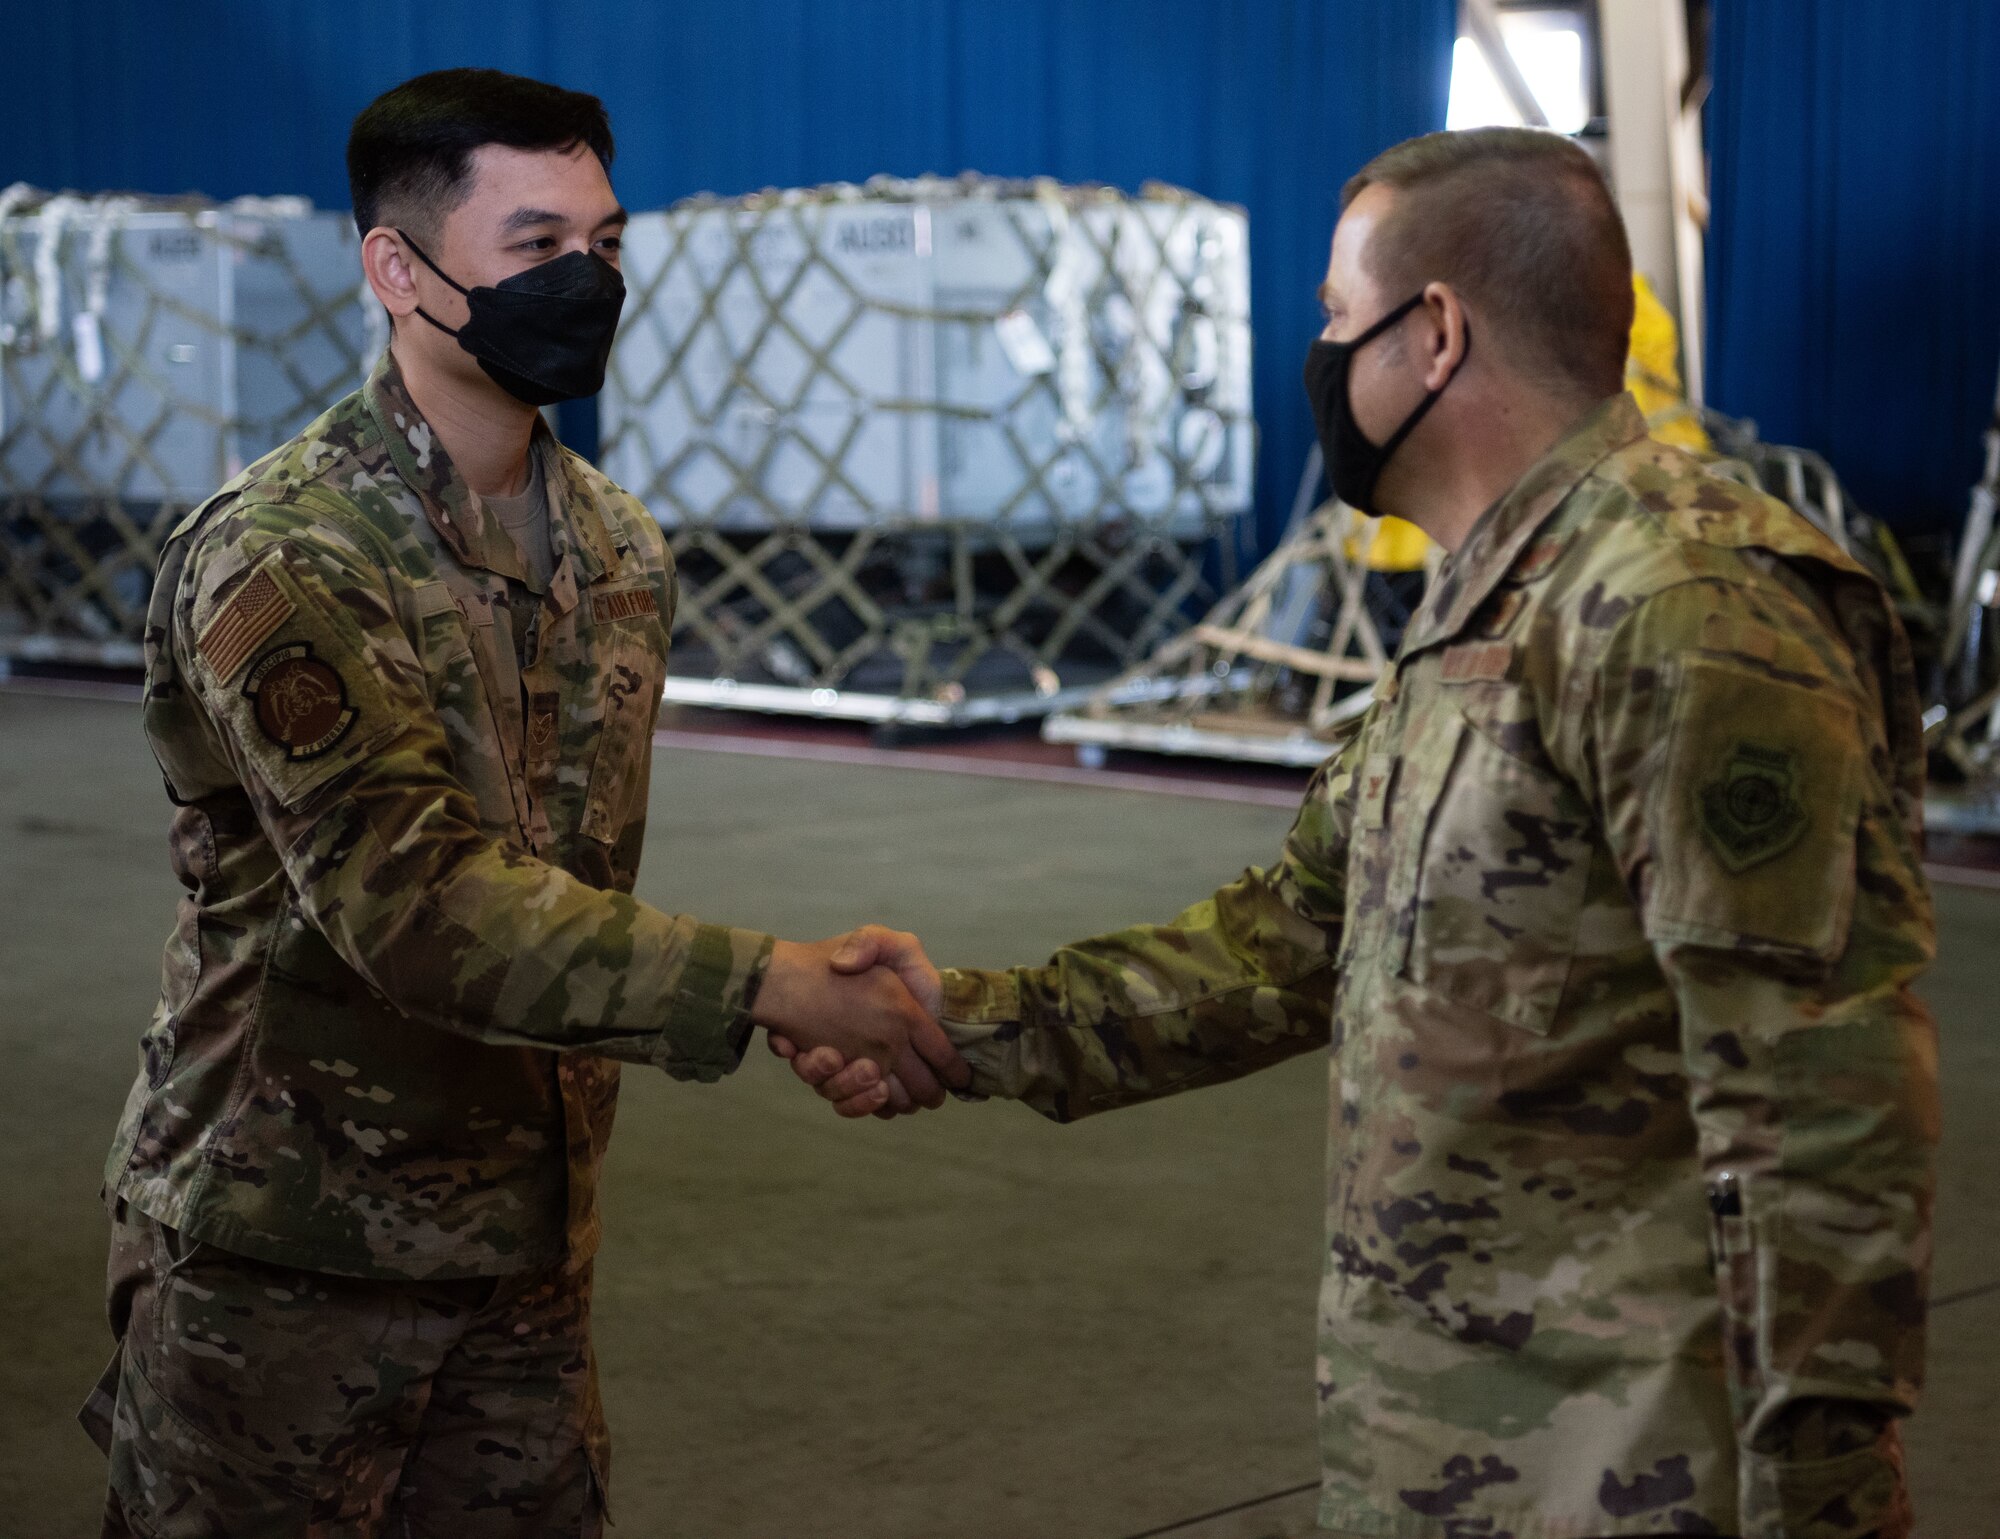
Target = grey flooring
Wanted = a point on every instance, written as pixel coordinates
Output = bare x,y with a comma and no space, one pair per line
969,1325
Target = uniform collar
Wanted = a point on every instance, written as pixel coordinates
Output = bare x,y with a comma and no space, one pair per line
462,520
1497,542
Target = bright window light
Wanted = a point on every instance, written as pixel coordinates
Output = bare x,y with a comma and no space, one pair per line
1550,58
1476,98
1551,61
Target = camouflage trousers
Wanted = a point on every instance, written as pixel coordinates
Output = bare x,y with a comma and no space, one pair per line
250,1401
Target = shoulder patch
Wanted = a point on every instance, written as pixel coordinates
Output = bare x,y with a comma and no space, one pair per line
1753,810
301,701
1750,808
257,609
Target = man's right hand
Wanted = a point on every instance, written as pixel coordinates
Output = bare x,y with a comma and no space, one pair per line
929,1068
866,1016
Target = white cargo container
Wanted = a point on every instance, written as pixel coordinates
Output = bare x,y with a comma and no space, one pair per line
149,349
148,352
1020,355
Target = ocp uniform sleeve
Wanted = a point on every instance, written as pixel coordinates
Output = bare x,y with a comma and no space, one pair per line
290,640
1240,981
1748,790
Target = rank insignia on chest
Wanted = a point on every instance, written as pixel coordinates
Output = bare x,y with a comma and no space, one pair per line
301,701
542,713
1750,810
1378,774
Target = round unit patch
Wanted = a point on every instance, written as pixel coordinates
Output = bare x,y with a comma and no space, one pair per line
301,702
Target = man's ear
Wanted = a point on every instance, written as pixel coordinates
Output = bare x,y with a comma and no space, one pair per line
386,265
1445,334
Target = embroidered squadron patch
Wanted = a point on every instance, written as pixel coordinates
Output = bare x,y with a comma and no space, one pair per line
301,701
1751,810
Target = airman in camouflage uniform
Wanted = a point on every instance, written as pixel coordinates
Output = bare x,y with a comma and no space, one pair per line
342,616
349,1070
355,1184
1609,915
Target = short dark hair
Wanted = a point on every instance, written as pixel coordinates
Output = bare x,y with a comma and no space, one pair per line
409,154
1519,221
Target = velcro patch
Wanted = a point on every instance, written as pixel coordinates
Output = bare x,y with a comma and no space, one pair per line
1753,812
1750,807
625,604
241,625
301,702
1478,661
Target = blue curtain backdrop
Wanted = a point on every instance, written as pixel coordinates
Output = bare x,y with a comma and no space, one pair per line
1267,103
1854,248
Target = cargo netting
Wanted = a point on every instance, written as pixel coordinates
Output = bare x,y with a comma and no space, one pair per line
149,348
934,451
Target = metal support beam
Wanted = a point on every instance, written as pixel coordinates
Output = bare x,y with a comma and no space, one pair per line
1478,20
1657,166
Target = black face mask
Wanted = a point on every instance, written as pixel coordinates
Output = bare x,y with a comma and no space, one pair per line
543,335
1353,464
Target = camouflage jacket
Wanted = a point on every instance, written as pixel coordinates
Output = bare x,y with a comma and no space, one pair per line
408,826
1610,914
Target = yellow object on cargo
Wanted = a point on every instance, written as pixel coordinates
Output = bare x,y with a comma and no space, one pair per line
1393,545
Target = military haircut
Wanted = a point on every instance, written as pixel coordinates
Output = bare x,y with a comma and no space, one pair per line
409,154
1520,222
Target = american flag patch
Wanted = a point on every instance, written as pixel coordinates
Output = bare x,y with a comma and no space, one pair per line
258,609
623,605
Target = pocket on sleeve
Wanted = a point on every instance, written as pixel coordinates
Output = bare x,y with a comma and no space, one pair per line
1754,813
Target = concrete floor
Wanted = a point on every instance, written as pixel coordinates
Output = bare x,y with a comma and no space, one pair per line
970,1325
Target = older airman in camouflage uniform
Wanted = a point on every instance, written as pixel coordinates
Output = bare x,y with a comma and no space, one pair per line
355,1185
1609,915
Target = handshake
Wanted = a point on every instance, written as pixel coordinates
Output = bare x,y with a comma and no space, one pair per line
857,1016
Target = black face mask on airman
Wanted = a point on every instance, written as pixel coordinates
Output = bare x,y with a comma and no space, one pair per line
543,335
1353,464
